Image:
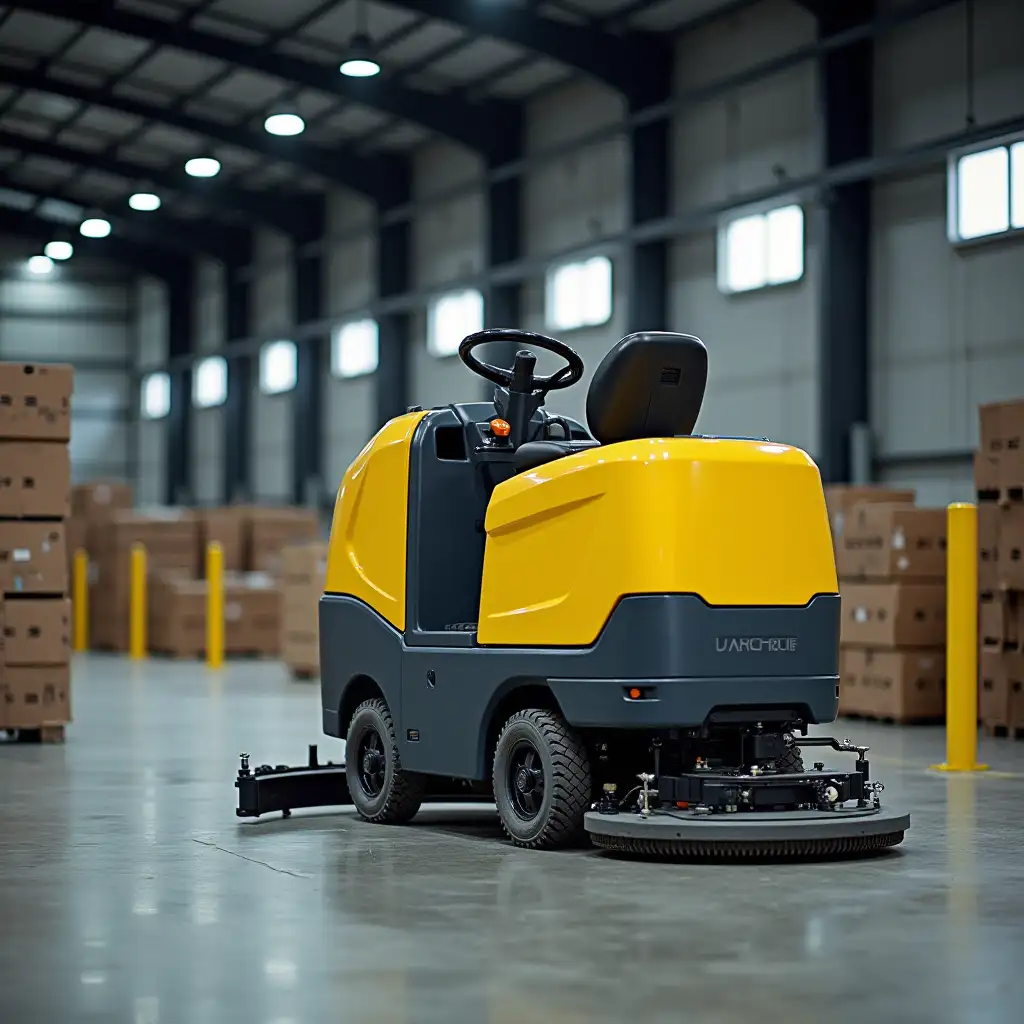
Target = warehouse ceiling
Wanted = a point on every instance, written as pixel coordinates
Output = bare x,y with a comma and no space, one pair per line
102,99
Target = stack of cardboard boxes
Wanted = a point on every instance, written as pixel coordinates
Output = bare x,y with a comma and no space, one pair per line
35,484
999,480
169,537
303,572
891,561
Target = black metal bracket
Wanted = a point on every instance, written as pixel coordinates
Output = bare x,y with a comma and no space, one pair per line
283,788
287,788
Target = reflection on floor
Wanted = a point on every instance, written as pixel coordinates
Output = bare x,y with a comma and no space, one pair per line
130,892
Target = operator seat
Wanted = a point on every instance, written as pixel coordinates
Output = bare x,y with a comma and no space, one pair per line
651,384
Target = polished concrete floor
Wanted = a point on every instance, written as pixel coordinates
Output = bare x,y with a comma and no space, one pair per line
130,892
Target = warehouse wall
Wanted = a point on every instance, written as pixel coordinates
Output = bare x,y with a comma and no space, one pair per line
151,336
945,332
208,424
271,295
81,315
948,323
762,345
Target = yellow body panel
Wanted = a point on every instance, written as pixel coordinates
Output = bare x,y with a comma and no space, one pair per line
368,534
737,522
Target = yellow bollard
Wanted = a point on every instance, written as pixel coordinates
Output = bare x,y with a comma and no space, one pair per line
214,605
138,611
961,640
80,595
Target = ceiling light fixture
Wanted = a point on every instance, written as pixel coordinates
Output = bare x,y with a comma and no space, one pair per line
360,59
285,123
58,249
146,202
203,167
40,265
95,227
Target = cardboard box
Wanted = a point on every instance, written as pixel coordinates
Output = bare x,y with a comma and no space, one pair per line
891,615
98,499
35,401
226,526
1002,438
905,686
177,615
840,500
883,541
998,620
37,631
1001,689
35,479
169,537
35,695
33,558
303,573
989,517
270,530
987,480
1010,561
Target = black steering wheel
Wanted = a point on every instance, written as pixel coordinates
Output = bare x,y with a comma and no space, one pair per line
562,378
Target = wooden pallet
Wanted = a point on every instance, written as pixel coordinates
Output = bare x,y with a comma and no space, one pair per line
49,732
1013,732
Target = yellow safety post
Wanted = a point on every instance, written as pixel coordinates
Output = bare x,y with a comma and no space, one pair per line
80,596
138,611
214,605
961,640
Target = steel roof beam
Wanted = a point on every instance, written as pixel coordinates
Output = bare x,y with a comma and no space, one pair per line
381,178
481,126
290,215
633,63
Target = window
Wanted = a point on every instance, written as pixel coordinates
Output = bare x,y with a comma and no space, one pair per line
579,294
354,349
761,249
451,318
210,382
155,398
278,367
986,192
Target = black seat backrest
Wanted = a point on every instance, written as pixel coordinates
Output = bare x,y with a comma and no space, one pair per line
651,384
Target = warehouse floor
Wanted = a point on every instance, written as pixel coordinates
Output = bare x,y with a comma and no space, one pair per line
130,892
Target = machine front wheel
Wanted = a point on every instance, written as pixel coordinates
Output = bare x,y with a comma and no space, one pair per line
542,781
381,791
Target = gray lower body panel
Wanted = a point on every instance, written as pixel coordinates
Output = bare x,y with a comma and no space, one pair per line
694,659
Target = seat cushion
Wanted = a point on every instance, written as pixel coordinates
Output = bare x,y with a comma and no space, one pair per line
536,453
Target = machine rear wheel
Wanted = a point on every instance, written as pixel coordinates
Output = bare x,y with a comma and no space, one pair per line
381,791
542,781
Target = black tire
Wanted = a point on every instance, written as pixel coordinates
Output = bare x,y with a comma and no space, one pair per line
381,791
552,816
791,763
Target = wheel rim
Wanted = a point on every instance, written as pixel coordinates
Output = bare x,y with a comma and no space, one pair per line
525,781
372,764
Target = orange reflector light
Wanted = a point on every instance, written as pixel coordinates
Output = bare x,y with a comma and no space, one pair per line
682,805
636,693
500,428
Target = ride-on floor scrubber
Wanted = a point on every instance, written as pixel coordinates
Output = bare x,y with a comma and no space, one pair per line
616,634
